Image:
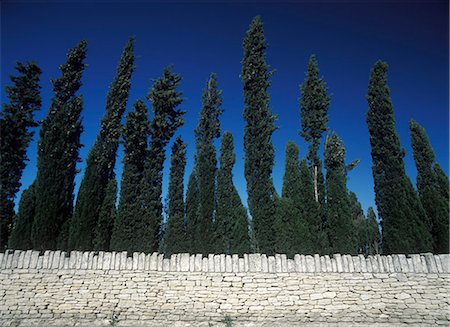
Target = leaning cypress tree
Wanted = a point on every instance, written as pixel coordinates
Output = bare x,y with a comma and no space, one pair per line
314,103
106,217
58,148
231,224
373,233
442,180
436,206
167,118
175,235
16,119
360,223
404,228
135,136
20,238
259,150
207,130
341,227
102,158
192,204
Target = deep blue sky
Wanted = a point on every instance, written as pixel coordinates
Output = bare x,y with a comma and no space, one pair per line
198,38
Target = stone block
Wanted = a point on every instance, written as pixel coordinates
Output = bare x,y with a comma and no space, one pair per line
333,265
235,259
290,265
95,261
374,264
410,265
107,262
123,260
297,263
362,260
198,262
351,266
184,261
45,259
310,267
278,267
323,264
356,263
317,265
271,264
430,262
254,262
154,261
79,260
264,263
246,263
135,260
173,262
26,259
192,263
84,260
439,267
380,263
33,259
211,267
338,259
241,265
417,263
396,263
166,265
228,264
217,265
283,263
445,262
20,260
148,258
328,265
205,264
63,260
160,259
369,264
222,263
129,263
344,263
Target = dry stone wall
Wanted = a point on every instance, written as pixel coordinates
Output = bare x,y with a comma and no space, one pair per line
113,289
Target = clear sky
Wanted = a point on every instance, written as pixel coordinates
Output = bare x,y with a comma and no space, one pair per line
199,38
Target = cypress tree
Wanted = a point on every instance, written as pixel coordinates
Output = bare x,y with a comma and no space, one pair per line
106,217
314,103
435,205
291,227
192,204
175,235
165,99
20,238
373,233
58,148
360,223
404,228
260,124
442,180
135,136
231,224
207,130
341,228
102,158
16,119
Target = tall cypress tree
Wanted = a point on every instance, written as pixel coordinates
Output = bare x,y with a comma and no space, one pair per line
260,124
207,130
314,103
341,228
404,228
436,206
167,118
135,137
16,119
175,235
231,224
291,227
360,223
102,157
192,203
442,180
58,148
20,238
373,233
106,217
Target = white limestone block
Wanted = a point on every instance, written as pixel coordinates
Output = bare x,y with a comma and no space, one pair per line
73,259
290,265
192,263
445,262
338,259
241,265
40,262
235,259
84,260
417,263
211,263
297,263
344,263
123,260
106,262
95,261
228,264
217,265
430,262
439,267
272,264
329,266
317,263
246,263
148,258
26,259
33,259
141,261
302,263
374,264
283,263
184,262
264,263
205,264
333,265
310,266
160,259
323,264
45,260
198,262
135,260
424,264
254,262
129,263
166,265
173,262
356,263
351,267
369,264
278,263
222,263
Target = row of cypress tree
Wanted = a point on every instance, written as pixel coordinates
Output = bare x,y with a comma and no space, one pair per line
314,214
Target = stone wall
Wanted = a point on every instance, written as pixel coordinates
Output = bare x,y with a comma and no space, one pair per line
112,289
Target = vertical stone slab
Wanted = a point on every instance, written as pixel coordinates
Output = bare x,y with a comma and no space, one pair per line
264,263
323,264
445,262
101,261
374,264
310,266
45,260
333,265
1,259
385,263
217,265
90,260
430,262
5,259
33,259
141,261
123,260
246,264
328,265
26,259
79,260
235,259
95,261
211,267
160,261
317,265
241,265
271,264
438,264
381,267
344,263
417,263
338,259
390,263
72,260
303,263
107,262
404,264
166,265
40,262
254,262
148,258
192,263
205,265
396,263
228,264
198,262
278,267
222,263
283,263
290,265
84,260
369,264
17,259
424,264
356,263
351,267
173,262
297,262
135,260
363,263
184,262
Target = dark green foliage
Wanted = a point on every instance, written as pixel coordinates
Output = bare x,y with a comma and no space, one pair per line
207,130
16,119
360,223
292,224
101,159
373,233
231,224
259,151
314,103
166,120
20,238
135,137
442,180
435,204
175,235
58,148
341,227
404,226
192,199
106,217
